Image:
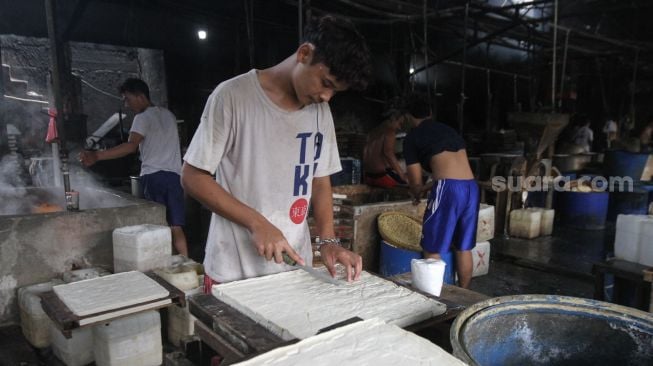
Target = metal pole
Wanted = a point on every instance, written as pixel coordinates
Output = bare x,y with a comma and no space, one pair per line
461,105
300,15
553,63
633,89
56,63
564,68
426,51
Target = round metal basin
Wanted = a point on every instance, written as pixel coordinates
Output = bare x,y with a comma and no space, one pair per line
552,330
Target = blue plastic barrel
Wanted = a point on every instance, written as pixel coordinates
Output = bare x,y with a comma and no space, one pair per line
551,330
395,260
450,270
619,163
647,186
628,203
582,210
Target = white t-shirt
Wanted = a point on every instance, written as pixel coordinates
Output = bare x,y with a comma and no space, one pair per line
160,146
266,157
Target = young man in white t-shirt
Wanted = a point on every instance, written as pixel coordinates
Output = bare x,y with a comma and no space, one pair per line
154,131
268,137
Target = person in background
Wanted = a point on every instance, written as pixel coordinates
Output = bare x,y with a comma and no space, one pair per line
646,136
382,169
611,130
268,135
154,132
451,214
584,136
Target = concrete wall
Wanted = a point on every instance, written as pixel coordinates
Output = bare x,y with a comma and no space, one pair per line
36,248
100,69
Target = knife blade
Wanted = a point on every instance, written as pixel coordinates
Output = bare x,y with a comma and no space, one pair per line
312,271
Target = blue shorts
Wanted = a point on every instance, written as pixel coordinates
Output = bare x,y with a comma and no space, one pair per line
165,188
451,216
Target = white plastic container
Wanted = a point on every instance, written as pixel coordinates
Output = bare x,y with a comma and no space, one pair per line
525,223
33,320
74,351
646,242
141,247
485,228
546,223
428,275
83,274
183,277
627,237
134,340
181,324
481,259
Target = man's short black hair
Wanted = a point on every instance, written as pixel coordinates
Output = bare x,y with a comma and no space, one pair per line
418,106
135,86
340,47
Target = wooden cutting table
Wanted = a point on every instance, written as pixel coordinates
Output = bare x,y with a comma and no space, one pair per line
236,337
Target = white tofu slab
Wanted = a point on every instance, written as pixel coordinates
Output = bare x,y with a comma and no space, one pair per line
295,304
369,342
109,292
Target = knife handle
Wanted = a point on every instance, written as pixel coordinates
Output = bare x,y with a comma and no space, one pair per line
287,260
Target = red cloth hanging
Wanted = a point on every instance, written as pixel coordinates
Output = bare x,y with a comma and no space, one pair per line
52,126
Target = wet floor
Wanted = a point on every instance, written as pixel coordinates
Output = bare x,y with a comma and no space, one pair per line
560,264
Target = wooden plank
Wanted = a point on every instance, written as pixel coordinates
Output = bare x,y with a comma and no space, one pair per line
456,298
66,320
237,329
220,345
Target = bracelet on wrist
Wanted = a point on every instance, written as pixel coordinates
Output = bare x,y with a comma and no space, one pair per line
319,242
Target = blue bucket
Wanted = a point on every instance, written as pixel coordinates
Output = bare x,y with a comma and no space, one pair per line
582,210
628,203
620,163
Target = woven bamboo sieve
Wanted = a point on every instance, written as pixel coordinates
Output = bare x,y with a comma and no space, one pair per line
401,230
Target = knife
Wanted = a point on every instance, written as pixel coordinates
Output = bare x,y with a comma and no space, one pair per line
312,271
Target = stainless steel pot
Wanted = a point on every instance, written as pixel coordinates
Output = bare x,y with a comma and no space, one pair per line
137,188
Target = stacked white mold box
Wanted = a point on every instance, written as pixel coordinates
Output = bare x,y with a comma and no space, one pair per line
525,223
181,324
184,274
484,232
634,239
141,247
134,340
481,258
74,351
34,322
485,228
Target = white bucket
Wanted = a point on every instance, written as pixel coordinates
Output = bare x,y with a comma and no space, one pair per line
428,275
